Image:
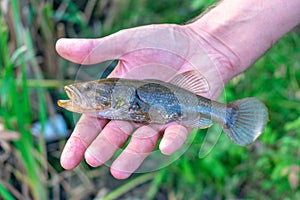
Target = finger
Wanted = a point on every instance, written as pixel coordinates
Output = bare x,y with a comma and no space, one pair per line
84,133
91,51
82,50
142,143
115,46
173,138
112,137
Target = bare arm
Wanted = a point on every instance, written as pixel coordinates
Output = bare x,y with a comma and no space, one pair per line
232,35
245,29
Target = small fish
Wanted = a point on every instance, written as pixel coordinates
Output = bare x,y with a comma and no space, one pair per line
154,101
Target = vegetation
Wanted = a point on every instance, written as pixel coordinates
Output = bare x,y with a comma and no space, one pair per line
31,80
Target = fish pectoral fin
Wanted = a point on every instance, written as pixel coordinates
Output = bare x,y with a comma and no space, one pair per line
138,111
191,80
141,117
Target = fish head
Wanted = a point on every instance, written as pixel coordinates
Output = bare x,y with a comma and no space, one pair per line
87,97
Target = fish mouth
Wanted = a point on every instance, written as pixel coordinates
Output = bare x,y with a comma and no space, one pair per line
74,97
64,103
78,103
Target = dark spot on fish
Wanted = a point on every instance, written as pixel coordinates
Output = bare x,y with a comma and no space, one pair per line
162,101
231,117
87,87
139,111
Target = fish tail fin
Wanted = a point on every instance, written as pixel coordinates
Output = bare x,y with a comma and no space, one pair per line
245,120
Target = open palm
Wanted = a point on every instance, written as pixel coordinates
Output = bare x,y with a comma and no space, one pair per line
148,52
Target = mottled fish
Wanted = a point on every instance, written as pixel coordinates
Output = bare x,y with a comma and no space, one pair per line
154,101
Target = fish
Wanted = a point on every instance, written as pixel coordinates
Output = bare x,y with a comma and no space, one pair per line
180,100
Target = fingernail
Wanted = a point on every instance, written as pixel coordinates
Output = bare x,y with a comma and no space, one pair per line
91,159
119,174
164,146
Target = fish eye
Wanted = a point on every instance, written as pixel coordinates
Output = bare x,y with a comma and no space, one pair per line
87,87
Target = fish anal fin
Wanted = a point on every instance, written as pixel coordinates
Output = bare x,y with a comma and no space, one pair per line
204,123
201,123
191,80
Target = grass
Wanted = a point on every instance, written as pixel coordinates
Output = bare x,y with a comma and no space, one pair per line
15,98
30,71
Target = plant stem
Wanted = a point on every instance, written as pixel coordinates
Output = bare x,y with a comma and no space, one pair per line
129,186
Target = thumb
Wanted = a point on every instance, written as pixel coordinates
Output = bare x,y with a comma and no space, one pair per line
112,47
91,51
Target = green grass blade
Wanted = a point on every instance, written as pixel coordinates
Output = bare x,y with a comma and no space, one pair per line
156,184
129,186
21,108
4,193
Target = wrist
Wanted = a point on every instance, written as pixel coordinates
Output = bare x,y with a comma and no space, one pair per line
224,59
242,31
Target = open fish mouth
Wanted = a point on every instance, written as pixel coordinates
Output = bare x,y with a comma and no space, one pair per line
74,97
76,102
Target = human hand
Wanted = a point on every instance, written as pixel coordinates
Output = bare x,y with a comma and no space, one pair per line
148,52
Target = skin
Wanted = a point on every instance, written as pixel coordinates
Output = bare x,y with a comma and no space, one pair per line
233,35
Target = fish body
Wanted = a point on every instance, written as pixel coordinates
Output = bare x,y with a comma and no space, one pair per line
154,101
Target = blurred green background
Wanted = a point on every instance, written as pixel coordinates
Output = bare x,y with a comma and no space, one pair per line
32,76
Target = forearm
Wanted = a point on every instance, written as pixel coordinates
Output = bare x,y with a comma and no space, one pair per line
245,29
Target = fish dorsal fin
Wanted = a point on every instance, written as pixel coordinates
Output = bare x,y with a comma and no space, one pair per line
192,81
